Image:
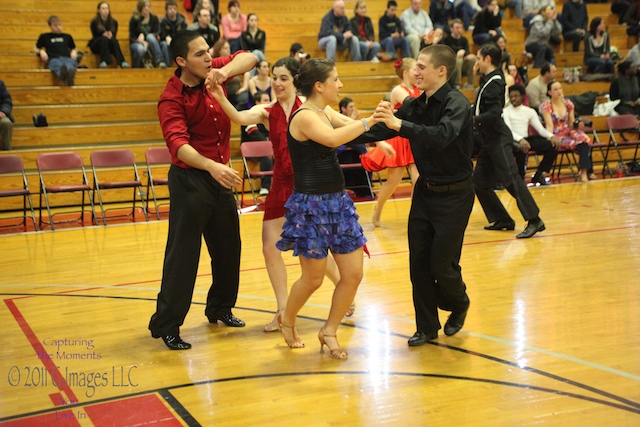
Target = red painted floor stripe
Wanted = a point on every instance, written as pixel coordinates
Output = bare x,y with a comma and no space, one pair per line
137,411
56,376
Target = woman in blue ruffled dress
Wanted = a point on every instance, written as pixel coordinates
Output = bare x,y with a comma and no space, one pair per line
320,215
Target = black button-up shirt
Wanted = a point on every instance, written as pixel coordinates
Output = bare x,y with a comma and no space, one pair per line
440,132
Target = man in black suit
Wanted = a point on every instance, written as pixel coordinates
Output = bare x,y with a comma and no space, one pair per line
495,159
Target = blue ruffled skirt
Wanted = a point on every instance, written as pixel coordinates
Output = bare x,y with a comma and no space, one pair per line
317,223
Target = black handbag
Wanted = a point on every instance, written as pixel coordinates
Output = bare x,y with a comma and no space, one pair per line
40,120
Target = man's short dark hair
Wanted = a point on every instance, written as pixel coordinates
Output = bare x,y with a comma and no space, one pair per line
170,3
441,55
344,102
392,3
491,50
517,88
180,43
257,97
546,68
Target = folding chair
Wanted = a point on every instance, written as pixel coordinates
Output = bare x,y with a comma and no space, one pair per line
75,180
123,158
253,149
353,166
626,123
11,164
156,157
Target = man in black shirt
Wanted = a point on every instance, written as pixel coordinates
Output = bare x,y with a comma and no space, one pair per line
205,28
438,126
58,51
495,159
170,24
391,32
465,60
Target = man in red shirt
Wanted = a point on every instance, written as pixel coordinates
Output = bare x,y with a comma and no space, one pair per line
197,133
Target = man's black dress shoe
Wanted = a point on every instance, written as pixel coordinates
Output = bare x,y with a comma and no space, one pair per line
229,320
502,224
174,342
532,228
454,323
539,179
420,338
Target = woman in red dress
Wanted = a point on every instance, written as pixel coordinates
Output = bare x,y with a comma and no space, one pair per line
276,117
375,159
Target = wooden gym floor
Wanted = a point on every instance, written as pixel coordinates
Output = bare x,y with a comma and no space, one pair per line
552,336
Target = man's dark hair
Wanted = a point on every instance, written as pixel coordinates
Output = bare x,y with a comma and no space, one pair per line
517,88
344,102
170,3
546,67
491,50
180,43
392,3
257,97
441,55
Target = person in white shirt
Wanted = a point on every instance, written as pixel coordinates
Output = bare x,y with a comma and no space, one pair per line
417,26
518,118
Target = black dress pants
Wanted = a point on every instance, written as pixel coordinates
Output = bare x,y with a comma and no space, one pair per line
437,222
497,163
541,146
200,206
105,48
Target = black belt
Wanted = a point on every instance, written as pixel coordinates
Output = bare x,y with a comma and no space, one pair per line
442,188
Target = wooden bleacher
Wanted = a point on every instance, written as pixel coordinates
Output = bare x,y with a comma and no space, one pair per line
117,107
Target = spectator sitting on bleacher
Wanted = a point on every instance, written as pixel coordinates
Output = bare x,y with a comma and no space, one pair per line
537,87
392,32
259,132
513,77
505,58
532,8
620,7
465,60
6,119
238,86
103,31
634,55
362,27
518,118
335,33
559,118
487,23
355,179
58,51
254,39
466,10
144,28
417,26
296,51
626,89
544,27
632,19
170,24
574,20
205,28
440,12
212,8
261,82
597,54
233,25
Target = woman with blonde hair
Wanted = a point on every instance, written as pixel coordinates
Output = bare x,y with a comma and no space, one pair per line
375,159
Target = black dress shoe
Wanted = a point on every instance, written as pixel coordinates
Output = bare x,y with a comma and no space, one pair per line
229,320
532,228
502,224
454,323
420,338
174,342
539,179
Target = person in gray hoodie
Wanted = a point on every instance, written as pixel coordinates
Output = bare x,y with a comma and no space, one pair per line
544,26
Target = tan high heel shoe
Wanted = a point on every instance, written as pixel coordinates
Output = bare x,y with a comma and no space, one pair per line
336,353
273,326
295,341
351,310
